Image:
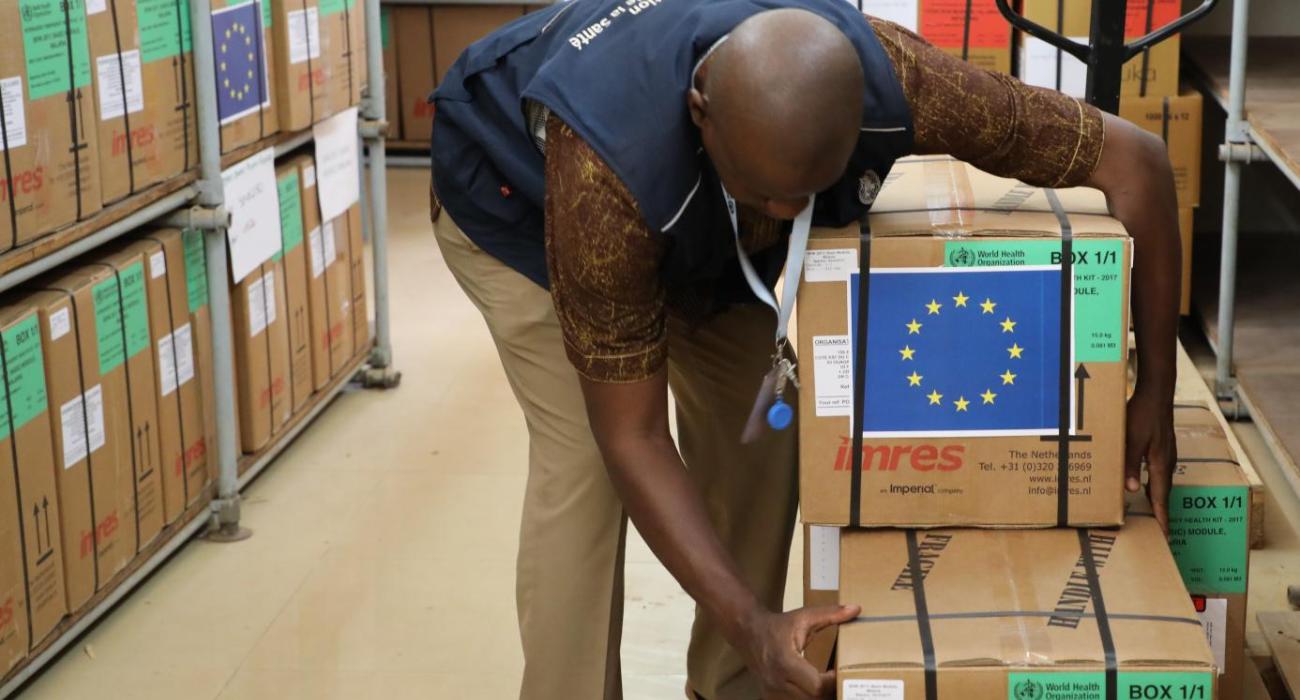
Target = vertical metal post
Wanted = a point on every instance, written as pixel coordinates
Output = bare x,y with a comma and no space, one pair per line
382,355
226,505
1106,62
1235,131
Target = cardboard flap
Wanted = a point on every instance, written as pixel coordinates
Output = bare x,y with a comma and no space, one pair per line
1016,598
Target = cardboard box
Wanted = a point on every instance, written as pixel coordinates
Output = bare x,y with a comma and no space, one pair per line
261,337
243,51
413,34
357,281
1018,614
200,316
1177,120
1039,61
338,338
132,301
1185,221
1209,520
50,172
294,255
318,311
965,312
143,79
821,586
32,597
343,33
972,31
85,373
303,83
392,104
180,421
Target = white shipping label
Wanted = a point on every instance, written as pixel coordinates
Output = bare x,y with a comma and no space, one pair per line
11,97
317,253
157,265
268,291
823,558
304,35
167,364
904,12
256,306
72,421
1214,620
112,76
858,689
338,173
94,7
309,176
331,243
253,199
60,323
832,375
832,265
95,417
1038,66
184,354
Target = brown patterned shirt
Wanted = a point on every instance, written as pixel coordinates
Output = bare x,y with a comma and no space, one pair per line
604,260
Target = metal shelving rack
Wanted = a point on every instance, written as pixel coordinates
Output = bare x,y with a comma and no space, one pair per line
200,205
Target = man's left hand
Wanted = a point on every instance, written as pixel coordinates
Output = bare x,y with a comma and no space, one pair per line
1151,437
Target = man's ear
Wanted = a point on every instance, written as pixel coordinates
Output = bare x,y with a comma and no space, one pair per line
699,106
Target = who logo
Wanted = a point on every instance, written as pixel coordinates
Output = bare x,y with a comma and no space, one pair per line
1028,689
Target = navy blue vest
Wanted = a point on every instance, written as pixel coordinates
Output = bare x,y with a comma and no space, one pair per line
617,72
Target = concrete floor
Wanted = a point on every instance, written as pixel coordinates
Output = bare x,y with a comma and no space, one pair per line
382,561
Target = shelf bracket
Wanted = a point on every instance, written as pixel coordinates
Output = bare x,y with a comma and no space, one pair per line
200,217
1241,152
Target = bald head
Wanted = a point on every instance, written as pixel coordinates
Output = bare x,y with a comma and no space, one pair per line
779,104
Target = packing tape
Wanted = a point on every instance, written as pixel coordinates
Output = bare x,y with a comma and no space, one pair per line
922,615
18,486
85,426
860,368
136,476
126,108
946,182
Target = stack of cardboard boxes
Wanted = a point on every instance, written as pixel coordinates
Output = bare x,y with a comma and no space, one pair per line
300,317
102,423
1150,93
988,353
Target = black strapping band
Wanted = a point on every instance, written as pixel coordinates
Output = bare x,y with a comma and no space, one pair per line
922,616
1207,460
965,33
126,106
311,77
1064,372
18,483
176,364
860,368
1146,53
995,614
74,99
1060,30
1164,120
182,87
259,48
1103,621
9,175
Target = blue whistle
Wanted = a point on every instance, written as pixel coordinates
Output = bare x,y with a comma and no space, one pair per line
780,415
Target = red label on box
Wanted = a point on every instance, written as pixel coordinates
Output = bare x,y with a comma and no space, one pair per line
1135,21
943,23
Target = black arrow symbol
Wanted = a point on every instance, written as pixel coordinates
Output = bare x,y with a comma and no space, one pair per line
1081,377
36,523
45,511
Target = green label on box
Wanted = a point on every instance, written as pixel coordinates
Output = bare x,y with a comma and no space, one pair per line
47,32
267,16
1092,686
164,28
385,26
108,324
1209,536
1098,285
290,212
196,269
24,375
332,7
135,309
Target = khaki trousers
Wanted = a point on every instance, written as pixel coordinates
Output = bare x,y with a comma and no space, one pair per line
569,587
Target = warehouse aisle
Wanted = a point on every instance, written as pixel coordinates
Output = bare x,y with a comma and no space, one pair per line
382,561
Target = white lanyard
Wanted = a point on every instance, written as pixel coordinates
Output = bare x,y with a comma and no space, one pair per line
793,266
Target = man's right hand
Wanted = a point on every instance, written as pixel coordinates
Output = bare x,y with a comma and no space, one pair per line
774,651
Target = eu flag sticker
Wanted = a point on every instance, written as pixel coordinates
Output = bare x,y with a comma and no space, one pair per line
962,352
240,55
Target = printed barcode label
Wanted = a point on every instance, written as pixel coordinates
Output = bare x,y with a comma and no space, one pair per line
60,323
304,35
184,354
317,253
11,97
873,690
95,417
113,75
72,423
331,244
256,306
268,290
309,176
157,265
166,365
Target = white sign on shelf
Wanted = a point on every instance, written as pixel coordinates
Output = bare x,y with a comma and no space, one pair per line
337,173
251,197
